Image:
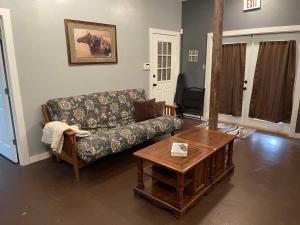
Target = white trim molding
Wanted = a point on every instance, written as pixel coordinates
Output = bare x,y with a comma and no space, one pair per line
164,32
252,32
192,116
13,82
263,30
39,157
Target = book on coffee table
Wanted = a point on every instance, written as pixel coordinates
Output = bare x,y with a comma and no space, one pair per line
179,149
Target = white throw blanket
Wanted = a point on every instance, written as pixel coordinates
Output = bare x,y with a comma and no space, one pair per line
53,134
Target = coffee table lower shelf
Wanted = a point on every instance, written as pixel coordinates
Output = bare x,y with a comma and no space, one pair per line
166,197
176,183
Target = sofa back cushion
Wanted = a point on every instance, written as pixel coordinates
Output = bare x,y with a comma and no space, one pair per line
104,109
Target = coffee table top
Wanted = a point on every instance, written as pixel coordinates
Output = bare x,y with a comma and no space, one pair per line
209,138
198,140
160,153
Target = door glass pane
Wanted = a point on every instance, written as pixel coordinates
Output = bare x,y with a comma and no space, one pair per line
164,75
169,48
168,74
164,64
159,62
159,74
165,48
169,61
159,49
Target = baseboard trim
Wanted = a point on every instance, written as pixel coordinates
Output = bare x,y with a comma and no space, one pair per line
191,116
39,157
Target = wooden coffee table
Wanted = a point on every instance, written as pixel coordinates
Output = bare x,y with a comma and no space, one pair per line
178,182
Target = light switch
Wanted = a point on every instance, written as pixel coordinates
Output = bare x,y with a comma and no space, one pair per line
146,66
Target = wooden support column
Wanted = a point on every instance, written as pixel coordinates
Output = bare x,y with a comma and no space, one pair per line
216,63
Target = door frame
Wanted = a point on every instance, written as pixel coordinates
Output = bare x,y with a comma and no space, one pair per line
14,87
249,32
152,32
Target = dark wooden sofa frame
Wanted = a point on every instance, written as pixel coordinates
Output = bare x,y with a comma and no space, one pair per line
69,152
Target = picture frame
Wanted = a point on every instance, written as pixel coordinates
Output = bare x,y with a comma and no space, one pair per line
90,42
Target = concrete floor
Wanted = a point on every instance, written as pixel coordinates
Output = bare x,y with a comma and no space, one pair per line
264,190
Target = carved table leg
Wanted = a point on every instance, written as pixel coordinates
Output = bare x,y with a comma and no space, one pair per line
140,174
180,189
213,168
230,153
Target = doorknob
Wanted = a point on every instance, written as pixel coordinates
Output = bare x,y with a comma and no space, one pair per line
154,85
154,75
6,91
245,81
244,88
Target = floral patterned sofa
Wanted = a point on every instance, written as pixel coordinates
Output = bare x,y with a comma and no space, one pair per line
109,116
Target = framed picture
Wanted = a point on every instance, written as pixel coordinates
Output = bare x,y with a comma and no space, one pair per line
91,43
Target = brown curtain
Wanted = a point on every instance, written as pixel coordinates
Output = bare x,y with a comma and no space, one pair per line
232,79
272,93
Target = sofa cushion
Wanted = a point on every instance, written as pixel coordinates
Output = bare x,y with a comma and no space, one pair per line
161,125
105,141
98,110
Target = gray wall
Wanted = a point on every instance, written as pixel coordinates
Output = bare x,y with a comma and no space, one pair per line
39,37
197,22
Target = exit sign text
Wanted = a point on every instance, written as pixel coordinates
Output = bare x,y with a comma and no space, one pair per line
251,4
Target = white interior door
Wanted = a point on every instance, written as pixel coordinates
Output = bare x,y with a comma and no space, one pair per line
7,147
164,64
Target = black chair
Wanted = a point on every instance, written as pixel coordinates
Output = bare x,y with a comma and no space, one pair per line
193,101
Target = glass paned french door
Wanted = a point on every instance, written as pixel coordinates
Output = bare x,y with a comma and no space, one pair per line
252,50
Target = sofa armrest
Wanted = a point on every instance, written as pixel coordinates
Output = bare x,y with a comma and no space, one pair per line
170,110
71,135
43,123
69,153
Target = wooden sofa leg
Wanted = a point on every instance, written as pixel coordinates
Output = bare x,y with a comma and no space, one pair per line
75,165
51,156
172,133
72,147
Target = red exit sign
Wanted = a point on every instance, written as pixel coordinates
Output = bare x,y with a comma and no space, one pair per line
251,4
